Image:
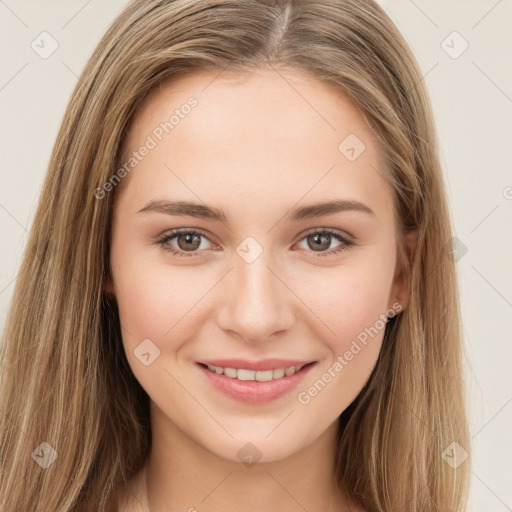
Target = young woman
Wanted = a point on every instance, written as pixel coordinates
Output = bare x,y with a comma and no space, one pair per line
238,293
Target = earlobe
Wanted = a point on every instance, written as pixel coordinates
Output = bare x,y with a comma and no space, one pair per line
108,288
400,290
411,241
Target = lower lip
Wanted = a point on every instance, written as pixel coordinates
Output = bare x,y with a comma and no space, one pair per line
252,391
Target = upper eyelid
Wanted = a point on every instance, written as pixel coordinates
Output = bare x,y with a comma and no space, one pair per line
178,231
339,232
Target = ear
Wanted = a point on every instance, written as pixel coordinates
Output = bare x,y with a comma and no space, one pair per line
400,288
108,287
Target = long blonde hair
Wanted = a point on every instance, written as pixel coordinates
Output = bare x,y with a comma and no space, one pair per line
66,388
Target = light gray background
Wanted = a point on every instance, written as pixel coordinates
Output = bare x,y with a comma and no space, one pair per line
472,98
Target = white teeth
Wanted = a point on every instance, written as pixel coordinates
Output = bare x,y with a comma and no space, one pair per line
264,376
260,376
244,374
229,372
278,373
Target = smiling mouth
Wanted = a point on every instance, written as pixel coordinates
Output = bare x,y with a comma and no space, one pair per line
243,374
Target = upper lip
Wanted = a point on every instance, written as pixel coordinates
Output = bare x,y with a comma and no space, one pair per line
261,365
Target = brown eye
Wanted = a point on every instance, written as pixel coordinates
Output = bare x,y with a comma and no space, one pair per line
320,240
188,241
183,242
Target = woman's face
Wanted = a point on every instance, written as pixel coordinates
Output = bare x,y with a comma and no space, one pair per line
243,161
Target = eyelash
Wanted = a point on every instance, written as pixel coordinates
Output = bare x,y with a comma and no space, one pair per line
162,241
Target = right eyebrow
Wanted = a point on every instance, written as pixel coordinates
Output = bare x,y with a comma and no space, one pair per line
184,208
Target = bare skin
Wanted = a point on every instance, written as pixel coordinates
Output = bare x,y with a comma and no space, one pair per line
255,146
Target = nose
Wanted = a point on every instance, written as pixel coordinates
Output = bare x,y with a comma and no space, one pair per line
256,301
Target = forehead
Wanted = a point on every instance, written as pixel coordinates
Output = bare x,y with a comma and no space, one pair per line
293,104
253,132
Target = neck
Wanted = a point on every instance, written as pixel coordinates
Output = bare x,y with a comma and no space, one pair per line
181,475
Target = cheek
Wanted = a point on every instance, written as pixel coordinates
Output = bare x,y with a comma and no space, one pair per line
157,302
352,305
348,299
143,297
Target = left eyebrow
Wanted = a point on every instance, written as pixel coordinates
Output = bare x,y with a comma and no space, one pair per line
191,209
327,208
